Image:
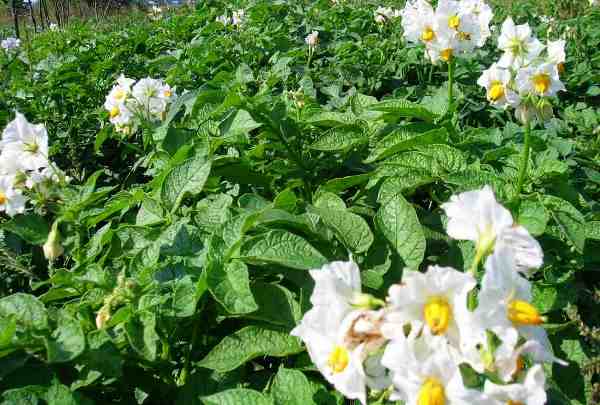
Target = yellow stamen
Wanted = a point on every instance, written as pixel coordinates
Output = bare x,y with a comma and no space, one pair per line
338,359
523,313
561,68
454,22
31,147
428,35
446,55
431,393
541,82
168,93
464,36
520,364
438,314
496,91
114,112
511,402
3,198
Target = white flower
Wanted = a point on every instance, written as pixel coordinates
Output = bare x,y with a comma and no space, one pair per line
339,336
53,27
152,96
11,200
223,19
477,216
418,22
453,21
505,302
594,3
384,14
436,299
312,39
380,19
496,82
238,17
519,47
541,80
483,12
425,371
26,142
556,54
530,392
10,44
443,48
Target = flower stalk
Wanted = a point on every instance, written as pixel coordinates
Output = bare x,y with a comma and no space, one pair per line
524,159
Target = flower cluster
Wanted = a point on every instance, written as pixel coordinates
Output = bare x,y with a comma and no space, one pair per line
10,44
130,103
385,14
237,18
24,163
413,346
312,40
155,13
526,74
453,29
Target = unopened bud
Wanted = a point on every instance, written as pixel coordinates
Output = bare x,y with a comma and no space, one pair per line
366,301
52,247
102,317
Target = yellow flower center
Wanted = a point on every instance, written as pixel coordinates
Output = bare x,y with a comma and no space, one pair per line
517,47
31,147
454,22
541,82
431,393
438,314
168,93
338,359
523,313
520,364
561,68
3,198
496,91
120,95
464,36
428,34
446,54
511,402
114,112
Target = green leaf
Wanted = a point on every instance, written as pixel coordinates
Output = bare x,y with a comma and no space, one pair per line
343,183
141,334
533,216
398,222
150,213
404,108
351,229
291,387
186,178
569,219
230,286
284,248
249,343
238,123
276,305
339,139
406,138
32,228
238,396
67,340
28,311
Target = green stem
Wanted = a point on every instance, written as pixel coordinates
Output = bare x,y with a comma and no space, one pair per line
450,85
524,160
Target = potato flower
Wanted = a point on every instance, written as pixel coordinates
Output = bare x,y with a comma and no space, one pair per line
418,22
312,40
541,80
519,46
12,202
557,54
10,44
238,17
28,143
478,217
436,300
497,82
425,372
530,392
341,332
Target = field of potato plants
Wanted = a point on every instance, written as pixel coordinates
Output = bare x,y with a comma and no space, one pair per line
287,202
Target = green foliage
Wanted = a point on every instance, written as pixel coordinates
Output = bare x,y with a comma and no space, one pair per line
188,243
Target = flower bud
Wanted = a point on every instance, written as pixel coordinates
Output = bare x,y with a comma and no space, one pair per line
52,248
102,317
366,301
